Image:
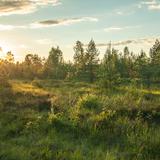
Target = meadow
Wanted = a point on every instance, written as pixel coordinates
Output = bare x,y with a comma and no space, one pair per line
70,120
79,80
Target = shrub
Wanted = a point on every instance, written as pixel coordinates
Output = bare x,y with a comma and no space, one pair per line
52,117
89,102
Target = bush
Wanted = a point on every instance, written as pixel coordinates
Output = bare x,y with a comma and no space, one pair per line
89,102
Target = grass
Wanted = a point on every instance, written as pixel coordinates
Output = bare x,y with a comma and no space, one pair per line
19,86
59,120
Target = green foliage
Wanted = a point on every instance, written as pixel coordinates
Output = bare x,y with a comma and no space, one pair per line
90,102
115,67
117,117
155,53
92,54
155,61
54,67
32,66
113,125
80,59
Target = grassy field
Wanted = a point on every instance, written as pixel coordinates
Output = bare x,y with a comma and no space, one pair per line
62,120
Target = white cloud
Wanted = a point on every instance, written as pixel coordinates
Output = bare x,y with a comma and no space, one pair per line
112,29
6,27
48,23
10,27
140,41
44,41
23,46
8,7
124,12
150,4
154,7
62,22
115,28
120,13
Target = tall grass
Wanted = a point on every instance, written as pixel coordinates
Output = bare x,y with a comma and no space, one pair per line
78,121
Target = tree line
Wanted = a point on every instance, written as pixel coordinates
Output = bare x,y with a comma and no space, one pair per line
115,67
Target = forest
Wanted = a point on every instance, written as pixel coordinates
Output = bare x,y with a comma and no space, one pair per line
115,67
84,109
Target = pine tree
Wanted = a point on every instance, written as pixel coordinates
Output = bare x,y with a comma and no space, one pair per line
155,53
92,54
109,68
80,59
155,60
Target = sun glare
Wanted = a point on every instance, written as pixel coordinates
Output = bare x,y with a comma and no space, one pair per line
2,55
4,48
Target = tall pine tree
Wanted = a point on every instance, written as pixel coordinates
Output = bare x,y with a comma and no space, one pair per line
92,54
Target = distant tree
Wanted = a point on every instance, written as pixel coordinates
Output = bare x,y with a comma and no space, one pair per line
9,57
92,54
3,74
55,56
126,52
32,66
114,66
54,64
141,61
80,60
127,64
155,53
109,69
143,68
18,71
155,60
70,70
9,64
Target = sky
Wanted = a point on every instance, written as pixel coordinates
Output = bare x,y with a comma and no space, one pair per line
34,26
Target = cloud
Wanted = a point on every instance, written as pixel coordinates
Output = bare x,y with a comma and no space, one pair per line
23,46
10,27
114,29
146,41
120,13
110,29
44,41
62,22
48,23
125,11
8,7
150,4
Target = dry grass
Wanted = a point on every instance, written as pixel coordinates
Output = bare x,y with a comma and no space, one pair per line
19,86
